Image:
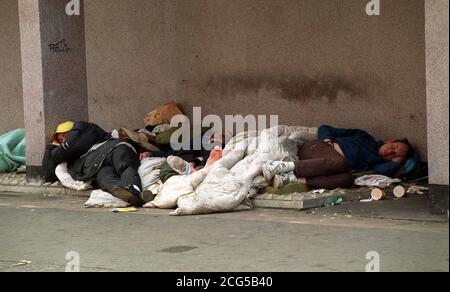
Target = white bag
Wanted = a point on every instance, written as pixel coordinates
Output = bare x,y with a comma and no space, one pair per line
101,199
66,179
149,171
174,187
230,179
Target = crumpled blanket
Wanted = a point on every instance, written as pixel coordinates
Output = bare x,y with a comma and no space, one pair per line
62,173
150,171
12,151
230,182
375,180
101,199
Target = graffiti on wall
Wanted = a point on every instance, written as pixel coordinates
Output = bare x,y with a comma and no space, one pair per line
59,47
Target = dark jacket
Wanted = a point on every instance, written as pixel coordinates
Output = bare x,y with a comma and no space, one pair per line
88,165
360,149
80,139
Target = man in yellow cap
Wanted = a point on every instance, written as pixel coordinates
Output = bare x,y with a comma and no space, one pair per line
61,132
92,154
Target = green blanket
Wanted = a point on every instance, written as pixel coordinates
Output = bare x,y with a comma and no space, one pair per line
12,151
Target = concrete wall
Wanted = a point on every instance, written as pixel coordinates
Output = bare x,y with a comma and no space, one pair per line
310,61
130,60
11,102
437,89
53,72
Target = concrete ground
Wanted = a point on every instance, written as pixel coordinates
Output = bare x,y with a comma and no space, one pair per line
41,230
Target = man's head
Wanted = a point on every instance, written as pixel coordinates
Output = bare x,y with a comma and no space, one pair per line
62,131
396,150
61,137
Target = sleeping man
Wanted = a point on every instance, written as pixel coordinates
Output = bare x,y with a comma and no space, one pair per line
92,154
328,163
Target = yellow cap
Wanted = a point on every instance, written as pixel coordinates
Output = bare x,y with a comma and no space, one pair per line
64,127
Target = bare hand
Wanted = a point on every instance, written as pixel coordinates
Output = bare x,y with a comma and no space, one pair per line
144,155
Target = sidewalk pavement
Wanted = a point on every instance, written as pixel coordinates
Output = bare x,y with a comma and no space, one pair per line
42,233
17,183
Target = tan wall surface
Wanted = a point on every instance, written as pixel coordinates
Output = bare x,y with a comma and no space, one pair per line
129,60
437,89
310,61
11,102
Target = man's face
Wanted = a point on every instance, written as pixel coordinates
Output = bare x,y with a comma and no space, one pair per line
62,137
394,151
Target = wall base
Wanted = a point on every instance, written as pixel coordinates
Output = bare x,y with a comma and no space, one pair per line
35,173
439,199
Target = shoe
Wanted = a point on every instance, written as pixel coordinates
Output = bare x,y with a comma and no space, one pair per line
272,168
127,195
147,196
179,165
281,180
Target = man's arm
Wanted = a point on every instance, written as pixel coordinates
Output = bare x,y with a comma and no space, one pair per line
79,140
67,150
387,169
330,133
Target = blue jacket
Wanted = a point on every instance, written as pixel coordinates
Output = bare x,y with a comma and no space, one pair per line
360,148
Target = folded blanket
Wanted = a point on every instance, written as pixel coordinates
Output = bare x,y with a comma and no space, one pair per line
12,151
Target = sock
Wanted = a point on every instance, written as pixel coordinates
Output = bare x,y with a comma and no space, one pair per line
293,178
215,155
290,166
191,168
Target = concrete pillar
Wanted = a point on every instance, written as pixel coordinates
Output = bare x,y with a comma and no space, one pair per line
53,72
436,35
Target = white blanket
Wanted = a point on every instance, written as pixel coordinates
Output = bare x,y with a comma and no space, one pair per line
149,171
231,181
66,179
101,199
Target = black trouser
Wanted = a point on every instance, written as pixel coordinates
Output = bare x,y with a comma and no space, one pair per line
120,169
323,167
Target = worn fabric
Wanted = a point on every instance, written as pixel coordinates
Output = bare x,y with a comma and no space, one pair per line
88,165
138,138
322,166
175,187
150,171
166,172
12,151
101,199
228,183
63,175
